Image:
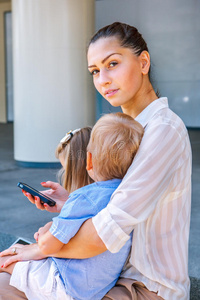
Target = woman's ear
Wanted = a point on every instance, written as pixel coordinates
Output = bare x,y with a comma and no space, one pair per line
145,62
89,161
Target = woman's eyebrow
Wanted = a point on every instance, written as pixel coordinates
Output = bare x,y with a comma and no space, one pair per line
104,60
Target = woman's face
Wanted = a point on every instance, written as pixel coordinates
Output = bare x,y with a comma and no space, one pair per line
117,72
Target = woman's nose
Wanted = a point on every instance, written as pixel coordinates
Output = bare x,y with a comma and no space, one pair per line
104,78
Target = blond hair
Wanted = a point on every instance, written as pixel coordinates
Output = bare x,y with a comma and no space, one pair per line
74,174
114,141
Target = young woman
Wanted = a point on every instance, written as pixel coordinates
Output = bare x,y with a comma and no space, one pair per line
154,197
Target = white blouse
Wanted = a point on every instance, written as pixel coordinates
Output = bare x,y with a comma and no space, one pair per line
154,200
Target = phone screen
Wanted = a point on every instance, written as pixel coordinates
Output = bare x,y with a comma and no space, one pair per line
21,241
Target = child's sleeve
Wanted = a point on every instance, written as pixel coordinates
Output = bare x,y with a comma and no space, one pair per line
74,213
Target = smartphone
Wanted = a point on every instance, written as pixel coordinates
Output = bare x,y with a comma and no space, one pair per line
21,241
34,192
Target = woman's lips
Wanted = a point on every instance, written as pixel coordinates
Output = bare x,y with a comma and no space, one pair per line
111,92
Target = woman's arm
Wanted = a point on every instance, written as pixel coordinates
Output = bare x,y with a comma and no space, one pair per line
85,244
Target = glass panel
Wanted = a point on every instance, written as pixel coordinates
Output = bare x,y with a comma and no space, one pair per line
9,65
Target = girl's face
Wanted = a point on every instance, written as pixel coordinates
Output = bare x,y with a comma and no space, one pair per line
117,72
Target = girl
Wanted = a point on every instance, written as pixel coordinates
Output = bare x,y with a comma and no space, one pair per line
154,198
71,152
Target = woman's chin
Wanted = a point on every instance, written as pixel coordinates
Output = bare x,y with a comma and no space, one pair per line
114,103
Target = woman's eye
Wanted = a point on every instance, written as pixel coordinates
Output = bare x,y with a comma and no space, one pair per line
94,72
112,64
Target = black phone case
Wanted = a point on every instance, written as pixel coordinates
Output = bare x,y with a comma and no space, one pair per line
34,192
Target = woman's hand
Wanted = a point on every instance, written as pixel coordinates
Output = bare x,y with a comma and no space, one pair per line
20,252
55,191
42,230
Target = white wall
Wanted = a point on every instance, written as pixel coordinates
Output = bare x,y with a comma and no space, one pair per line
172,31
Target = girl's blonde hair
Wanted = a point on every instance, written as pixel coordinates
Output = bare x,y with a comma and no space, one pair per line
74,153
114,141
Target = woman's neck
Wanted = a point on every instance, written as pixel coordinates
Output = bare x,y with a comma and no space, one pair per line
140,102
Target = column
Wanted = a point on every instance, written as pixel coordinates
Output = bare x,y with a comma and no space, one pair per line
53,91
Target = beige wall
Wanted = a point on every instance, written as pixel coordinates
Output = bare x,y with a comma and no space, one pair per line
4,6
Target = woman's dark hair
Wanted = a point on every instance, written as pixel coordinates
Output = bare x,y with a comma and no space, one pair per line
128,36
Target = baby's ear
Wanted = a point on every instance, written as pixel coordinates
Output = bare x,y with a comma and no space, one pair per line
89,161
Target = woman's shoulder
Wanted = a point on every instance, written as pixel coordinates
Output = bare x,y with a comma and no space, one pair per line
166,118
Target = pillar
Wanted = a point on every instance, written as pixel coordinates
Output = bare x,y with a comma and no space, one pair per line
53,91
4,7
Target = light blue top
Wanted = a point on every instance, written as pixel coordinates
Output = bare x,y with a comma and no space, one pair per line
92,278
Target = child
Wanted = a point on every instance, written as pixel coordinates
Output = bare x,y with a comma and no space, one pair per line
113,144
71,152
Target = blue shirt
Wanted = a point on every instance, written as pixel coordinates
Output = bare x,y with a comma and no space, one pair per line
91,278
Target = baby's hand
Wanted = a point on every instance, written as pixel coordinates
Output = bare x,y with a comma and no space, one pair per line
42,230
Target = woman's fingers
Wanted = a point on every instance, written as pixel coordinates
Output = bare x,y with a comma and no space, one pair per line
12,250
6,252
20,252
10,255
11,259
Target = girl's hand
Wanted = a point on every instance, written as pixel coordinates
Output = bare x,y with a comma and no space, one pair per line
20,252
55,191
42,230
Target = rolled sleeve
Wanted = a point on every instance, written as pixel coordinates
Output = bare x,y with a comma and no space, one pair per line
112,235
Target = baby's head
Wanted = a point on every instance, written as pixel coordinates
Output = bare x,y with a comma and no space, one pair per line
114,141
71,152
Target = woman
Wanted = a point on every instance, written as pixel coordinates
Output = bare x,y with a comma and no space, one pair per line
154,198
